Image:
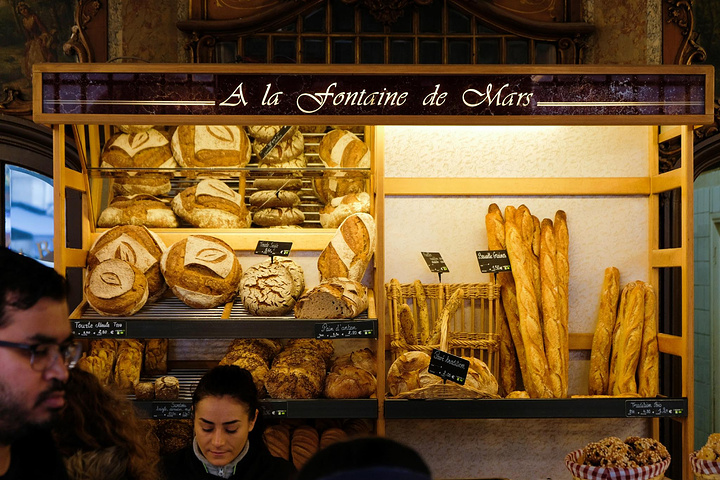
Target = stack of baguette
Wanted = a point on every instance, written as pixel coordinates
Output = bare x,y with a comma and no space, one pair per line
624,359
534,300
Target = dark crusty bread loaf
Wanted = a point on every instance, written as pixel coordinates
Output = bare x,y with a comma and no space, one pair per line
336,298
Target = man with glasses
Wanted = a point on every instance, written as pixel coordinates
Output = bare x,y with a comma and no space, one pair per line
36,350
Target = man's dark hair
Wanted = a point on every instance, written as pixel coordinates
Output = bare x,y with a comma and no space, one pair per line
24,281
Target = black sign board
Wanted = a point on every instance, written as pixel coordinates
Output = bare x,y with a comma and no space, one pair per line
435,262
448,366
99,328
274,409
493,261
171,410
273,249
349,329
656,408
274,141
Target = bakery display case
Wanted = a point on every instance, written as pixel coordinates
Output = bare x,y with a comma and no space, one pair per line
445,144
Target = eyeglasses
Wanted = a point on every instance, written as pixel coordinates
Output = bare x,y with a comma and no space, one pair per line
44,355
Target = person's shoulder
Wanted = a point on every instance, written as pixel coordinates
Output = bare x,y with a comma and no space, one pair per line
180,463
269,467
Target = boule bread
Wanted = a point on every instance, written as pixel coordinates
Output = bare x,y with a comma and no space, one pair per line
266,289
480,378
363,358
341,148
296,272
212,204
334,184
274,198
350,250
333,299
265,133
339,208
349,381
404,373
202,271
211,146
116,288
167,388
145,210
278,216
296,162
284,182
136,245
145,391
290,147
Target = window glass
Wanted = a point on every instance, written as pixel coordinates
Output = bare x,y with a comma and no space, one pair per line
518,51
343,50
458,22
255,49
488,51
431,18
313,50
372,50
29,213
545,53
315,21
343,17
369,23
459,51
401,51
430,51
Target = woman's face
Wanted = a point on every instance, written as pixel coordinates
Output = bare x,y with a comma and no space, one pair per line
222,425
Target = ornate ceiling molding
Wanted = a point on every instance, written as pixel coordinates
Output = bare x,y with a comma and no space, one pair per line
78,43
680,12
387,11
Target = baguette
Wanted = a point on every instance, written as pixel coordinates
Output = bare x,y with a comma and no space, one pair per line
602,340
630,341
508,357
521,261
526,222
447,312
562,245
552,331
648,367
619,320
423,319
407,324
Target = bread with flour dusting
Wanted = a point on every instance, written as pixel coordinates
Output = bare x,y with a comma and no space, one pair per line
350,250
115,287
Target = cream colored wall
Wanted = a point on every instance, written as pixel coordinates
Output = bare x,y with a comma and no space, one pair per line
604,231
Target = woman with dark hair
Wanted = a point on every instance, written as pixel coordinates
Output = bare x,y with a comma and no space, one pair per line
99,435
227,443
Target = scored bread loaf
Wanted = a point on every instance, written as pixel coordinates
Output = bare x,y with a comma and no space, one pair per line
404,373
335,298
507,354
290,147
479,378
617,330
265,347
562,244
552,329
334,184
284,182
211,146
630,340
202,271
407,323
274,198
265,133
116,288
266,289
339,208
97,366
350,250
363,358
277,440
324,348
348,381
212,204
156,353
341,148
305,443
603,337
143,210
127,369
145,391
257,367
278,216
649,361
423,319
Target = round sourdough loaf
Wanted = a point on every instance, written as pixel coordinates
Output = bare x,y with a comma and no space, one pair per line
292,146
349,382
343,149
334,184
138,210
212,204
116,288
265,133
202,271
211,146
338,209
266,289
281,182
296,272
136,245
404,373
274,198
278,216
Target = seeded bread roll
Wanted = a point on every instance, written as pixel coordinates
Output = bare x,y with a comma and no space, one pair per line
297,372
212,204
138,246
333,299
305,443
202,271
349,252
266,289
274,198
603,337
341,148
211,146
278,216
277,440
292,146
265,133
116,288
266,348
167,388
257,367
156,352
349,382
338,209
143,210
404,373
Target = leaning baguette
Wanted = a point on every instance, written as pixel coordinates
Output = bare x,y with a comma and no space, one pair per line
508,357
602,339
447,312
423,319
562,245
648,367
552,330
630,341
407,323
617,329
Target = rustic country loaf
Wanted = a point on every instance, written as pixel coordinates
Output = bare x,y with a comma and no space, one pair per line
266,289
299,370
296,272
284,182
603,337
212,204
257,367
167,387
136,245
97,366
116,288
265,133
348,381
341,148
156,353
338,209
350,250
290,147
127,369
145,391
143,210
293,163
404,373
334,184
324,348
334,298
363,358
274,198
278,216
266,348
480,378
211,146
202,271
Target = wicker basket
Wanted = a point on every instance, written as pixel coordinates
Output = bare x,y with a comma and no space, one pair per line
471,333
705,469
574,460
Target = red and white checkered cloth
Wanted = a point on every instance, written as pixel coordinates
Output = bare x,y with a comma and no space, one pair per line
705,467
607,473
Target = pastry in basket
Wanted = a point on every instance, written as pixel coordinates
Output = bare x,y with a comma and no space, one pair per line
211,146
212,204
143,210
706,461
636,457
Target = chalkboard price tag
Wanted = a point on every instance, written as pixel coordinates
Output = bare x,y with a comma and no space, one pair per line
172,410
273,249
435,262
274,141
274,409
448,366
99,329
493,261
656,408
351,329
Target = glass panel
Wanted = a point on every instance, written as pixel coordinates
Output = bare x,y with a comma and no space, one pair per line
431,17
284,50
458,22
401,51
459,51
254,49
517,51
343,51
484,29
372,50
226,52
314,22
343,17
488,51
29,226
404,24
289,28
368,23
313,50
545,53
430,51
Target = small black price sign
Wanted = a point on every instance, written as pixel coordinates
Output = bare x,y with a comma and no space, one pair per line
448,366
274,409
273,249
493,261
172,410
656,408
99,328
352,329
274,141
435,262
